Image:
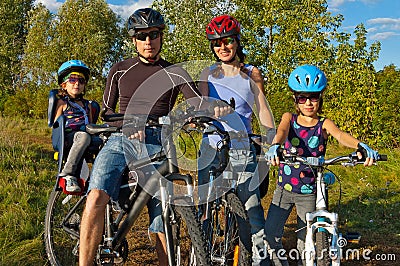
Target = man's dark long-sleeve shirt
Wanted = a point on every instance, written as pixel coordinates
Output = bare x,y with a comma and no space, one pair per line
146,89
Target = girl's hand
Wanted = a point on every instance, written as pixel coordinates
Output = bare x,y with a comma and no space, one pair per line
272,154
369,154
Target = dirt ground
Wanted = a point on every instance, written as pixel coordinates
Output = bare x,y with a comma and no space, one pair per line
142,251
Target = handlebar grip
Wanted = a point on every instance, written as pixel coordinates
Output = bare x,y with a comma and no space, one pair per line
382,157
113,117
280,154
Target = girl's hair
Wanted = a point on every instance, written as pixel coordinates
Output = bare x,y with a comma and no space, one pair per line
320,103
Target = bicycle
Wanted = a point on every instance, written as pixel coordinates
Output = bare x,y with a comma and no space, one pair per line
185,240
225,220
324,242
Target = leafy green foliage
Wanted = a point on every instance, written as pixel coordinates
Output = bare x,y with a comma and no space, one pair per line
184,38
85,30
13,16
387,111
276,35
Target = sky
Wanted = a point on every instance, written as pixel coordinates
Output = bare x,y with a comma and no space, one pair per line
381,19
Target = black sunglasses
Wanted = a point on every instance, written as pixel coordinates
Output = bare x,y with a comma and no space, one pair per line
74,80
226,41
142,36
302,99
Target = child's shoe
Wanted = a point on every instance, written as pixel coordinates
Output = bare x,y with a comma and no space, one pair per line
71,184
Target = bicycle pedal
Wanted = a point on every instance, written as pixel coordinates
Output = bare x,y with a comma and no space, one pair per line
353,237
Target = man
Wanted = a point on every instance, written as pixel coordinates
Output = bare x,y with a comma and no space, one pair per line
148,85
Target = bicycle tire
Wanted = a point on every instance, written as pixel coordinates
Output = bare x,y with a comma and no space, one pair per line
189,241
232,220
62,246
322,249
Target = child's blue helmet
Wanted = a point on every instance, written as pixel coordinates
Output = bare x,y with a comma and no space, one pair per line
71,66
307,78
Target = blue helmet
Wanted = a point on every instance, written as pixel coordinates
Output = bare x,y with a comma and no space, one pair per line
71,66
307,78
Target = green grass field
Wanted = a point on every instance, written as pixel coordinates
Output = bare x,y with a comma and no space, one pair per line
369,204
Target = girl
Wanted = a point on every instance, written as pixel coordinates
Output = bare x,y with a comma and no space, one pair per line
308,133
72,77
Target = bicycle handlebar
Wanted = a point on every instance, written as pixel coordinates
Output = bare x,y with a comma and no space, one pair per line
345,160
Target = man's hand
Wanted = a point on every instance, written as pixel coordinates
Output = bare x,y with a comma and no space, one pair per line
131,132
140,135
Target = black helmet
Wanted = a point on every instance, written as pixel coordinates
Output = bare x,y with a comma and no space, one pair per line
145,18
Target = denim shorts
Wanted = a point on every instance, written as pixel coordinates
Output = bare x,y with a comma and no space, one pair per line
112,160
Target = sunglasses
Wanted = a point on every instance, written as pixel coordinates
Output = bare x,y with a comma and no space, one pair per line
74,80
302,99
226,41
142,36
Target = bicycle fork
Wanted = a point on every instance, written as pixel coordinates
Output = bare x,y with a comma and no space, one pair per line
168,215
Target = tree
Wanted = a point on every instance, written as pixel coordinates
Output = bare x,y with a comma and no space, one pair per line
85,30
387,114
351,98
89,31
13,14
280,35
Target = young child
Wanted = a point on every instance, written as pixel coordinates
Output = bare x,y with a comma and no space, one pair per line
72,77
308,133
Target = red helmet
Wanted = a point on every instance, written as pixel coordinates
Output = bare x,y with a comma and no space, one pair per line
222,26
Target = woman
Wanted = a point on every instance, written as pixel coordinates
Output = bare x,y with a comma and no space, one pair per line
230,78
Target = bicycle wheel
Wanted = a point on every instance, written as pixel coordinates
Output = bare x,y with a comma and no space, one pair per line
189,242
228,233
322,249
62,222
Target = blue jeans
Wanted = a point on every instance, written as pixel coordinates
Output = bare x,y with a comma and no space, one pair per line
281,206
243,163
112,160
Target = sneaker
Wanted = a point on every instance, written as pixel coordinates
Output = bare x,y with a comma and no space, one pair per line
71,184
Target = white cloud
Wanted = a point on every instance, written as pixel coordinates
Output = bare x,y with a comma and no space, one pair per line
123,10
384,28
126,10
373,29
51,5
386,23
383,35
334,5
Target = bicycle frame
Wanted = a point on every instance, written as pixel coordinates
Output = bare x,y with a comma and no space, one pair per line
168,169
321,220
324,220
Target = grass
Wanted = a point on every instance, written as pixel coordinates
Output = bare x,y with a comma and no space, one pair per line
369,203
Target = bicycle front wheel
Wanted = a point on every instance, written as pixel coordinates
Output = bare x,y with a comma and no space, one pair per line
228,232
62,223
322,249
189,242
